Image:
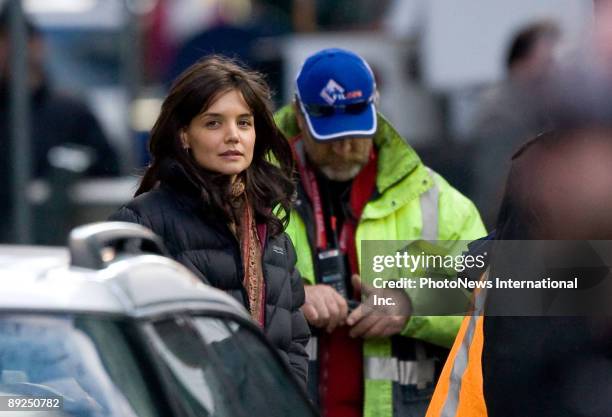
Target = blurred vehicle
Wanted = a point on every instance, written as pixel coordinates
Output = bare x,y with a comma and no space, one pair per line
114,329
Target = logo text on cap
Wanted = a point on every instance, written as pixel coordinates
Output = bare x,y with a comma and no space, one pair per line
332,92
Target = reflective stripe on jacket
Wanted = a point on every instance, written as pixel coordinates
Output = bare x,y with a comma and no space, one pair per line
459,392
412,203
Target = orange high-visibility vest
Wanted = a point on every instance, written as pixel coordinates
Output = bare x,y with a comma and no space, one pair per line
459,392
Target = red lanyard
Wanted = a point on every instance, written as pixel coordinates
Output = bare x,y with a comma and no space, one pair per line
309,180
362,188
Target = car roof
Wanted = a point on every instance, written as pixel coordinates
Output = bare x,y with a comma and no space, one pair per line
36,278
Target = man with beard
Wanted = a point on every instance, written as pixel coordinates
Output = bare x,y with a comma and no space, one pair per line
360,180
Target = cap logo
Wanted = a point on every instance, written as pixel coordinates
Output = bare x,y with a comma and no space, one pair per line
332,92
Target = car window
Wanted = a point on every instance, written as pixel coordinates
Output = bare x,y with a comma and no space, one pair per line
86,360
256,374
199,389
221,368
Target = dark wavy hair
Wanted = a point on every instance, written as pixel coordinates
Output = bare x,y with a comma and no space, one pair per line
268,180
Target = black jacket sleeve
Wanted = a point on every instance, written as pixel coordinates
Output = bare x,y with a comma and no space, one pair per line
298,358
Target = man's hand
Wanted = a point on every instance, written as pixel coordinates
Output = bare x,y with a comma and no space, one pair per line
324,307
369,321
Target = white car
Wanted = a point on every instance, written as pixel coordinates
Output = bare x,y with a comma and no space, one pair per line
108,327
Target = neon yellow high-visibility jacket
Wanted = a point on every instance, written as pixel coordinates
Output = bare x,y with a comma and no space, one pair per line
412,202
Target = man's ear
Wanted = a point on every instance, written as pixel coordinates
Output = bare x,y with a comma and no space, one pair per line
377,98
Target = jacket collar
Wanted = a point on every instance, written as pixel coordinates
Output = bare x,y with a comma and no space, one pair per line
173,176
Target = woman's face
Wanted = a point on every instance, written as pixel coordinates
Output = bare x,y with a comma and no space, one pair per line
222,138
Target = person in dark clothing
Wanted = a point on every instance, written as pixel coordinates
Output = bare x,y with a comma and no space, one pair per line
511,112
555,362
218,201
254,38
57,121
565,361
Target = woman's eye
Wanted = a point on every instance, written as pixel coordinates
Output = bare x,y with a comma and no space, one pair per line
212,123
245,123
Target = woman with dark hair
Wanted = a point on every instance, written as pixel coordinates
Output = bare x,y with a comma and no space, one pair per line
219,201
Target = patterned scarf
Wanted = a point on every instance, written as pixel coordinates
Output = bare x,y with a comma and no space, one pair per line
245,229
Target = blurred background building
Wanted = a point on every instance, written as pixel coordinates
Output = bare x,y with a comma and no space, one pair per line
434,60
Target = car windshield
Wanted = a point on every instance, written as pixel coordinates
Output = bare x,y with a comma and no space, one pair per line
221,368
89,361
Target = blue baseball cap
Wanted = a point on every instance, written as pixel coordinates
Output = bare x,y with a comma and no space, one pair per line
336,90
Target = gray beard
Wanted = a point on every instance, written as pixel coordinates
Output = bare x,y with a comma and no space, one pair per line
341,175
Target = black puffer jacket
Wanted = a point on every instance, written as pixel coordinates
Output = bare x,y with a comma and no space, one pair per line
207,247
